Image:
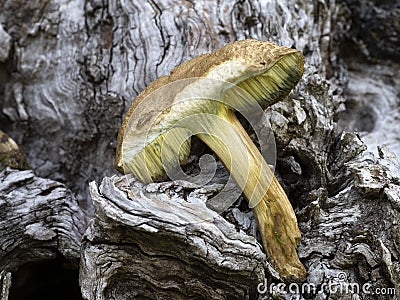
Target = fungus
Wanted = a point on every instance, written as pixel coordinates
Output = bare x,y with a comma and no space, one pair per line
154,133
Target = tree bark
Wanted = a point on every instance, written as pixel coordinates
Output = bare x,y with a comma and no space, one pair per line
39,220
70,69
172,247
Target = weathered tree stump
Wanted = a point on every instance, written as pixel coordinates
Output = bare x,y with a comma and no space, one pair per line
70,69
40,220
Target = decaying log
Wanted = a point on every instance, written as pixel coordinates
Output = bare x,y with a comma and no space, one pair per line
74,67
39,221
5,284
371,52
349,225
70,69
161,241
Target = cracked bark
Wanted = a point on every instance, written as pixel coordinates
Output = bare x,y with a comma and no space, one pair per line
70,69
40,220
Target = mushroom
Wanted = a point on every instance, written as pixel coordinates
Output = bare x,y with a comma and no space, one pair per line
204,92
11,154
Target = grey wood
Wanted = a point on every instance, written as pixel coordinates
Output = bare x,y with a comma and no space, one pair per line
39,218
70,69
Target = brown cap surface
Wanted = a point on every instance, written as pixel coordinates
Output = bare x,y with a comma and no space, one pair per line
234,63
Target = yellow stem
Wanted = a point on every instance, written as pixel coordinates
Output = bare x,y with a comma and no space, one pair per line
274,214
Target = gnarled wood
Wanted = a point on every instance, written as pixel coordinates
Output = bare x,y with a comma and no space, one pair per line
38,219
161,241
69,70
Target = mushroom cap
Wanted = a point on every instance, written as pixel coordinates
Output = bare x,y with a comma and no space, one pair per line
240,63
10,154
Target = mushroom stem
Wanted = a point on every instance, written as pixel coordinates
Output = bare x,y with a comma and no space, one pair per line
274,214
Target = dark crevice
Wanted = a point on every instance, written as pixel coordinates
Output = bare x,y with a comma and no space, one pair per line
375,30
54,279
